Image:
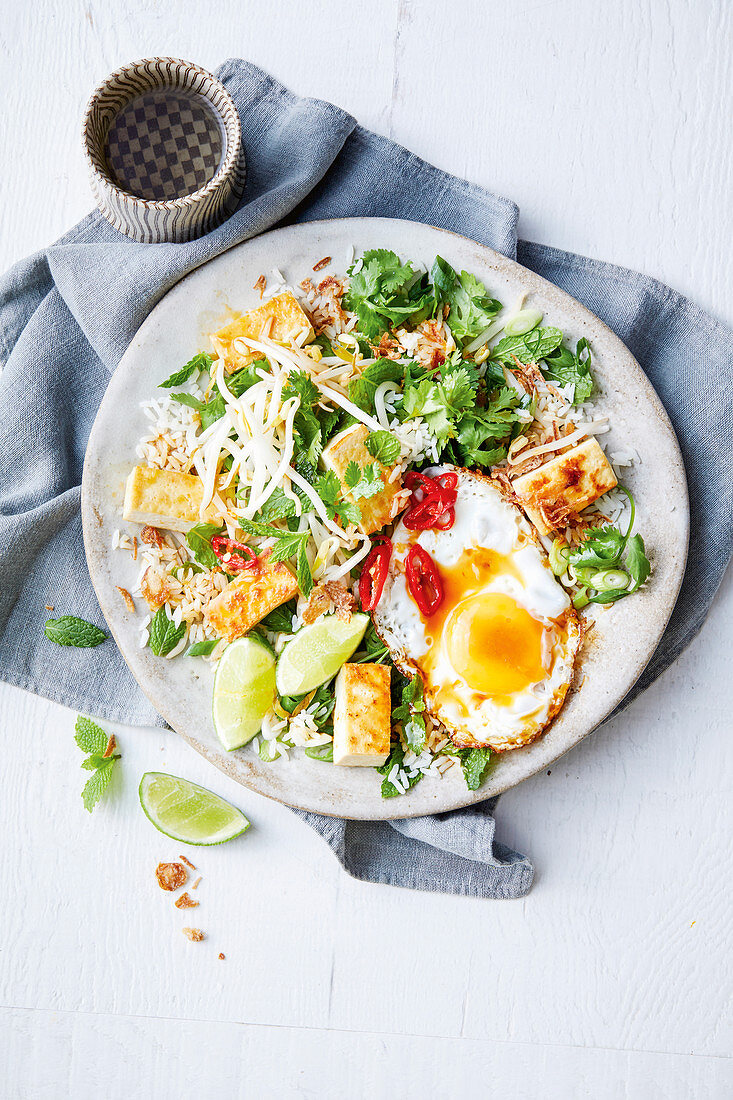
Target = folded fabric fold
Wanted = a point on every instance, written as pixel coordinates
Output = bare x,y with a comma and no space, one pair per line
68,314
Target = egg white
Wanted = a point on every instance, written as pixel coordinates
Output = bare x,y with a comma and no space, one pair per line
484,519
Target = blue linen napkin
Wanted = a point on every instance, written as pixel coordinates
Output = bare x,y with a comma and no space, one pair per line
68,313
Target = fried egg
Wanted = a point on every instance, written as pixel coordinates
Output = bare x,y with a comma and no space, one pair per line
497,656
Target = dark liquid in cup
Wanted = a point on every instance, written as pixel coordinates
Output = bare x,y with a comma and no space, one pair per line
163,145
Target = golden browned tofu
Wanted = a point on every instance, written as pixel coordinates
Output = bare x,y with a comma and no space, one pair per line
281,319
362,719
566,484
163,498
348,447
246,600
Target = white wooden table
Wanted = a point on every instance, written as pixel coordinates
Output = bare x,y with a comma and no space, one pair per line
607,124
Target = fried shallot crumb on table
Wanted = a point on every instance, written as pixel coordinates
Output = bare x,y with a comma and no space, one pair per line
186,901
193,934
196,883
322,263
187,862
222,955
126,597
171,876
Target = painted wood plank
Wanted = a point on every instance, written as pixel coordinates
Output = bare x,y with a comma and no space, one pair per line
86,1056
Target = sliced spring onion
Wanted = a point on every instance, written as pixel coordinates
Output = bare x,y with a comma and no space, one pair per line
524,321
266,753
606,579
559,557
581,599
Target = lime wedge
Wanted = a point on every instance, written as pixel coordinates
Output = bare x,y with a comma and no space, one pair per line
244,690
317,652
187,812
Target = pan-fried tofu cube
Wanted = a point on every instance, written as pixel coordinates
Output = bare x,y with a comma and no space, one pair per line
362,719
348,447
281,318
566,484
246,600
163,498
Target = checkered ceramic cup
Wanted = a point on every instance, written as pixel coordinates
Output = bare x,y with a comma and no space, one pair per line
164,147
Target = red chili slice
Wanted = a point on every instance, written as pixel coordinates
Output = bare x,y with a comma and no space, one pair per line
423,580
433,500
374,573
241,556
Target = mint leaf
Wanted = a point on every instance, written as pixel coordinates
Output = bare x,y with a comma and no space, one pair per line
239,382
277,506
562,366
71,631
199,542
384,446
474,763
471,306
202,649
93,762
303,570
396,756
529,348
200,362
89,736
97,784
164,634
281,619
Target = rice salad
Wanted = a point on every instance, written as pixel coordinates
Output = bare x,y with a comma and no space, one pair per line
426,370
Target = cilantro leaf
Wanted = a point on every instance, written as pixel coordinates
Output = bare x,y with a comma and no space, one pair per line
72,631
410,714
301,385
386,292
199,542
164,635
89,736
637,563
562,366
362,482
471,307
200,362
384,446
97,784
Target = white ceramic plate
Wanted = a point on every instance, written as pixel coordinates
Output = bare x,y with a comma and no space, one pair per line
617,649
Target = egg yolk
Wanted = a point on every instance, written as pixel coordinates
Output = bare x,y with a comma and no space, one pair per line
494,644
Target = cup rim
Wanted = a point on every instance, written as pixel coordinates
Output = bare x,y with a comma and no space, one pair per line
233,140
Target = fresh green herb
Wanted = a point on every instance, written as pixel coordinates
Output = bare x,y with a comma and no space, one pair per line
363,482
289,544
474,763
563,367
200,362
385,292
529,348
93,740
71,631
363,388
372,649
471,307
199,542
384,446
410,714
281,619
202,649
321,752
396,756
607,560
239,382
164,635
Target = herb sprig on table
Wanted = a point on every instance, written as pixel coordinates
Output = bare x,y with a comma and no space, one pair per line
100,760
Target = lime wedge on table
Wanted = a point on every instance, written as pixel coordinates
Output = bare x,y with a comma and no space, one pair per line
187,812
317,652
244,690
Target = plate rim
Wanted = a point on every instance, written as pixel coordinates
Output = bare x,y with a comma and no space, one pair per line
226,762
